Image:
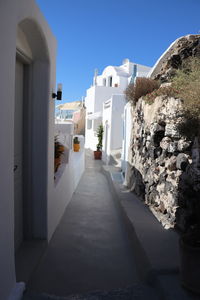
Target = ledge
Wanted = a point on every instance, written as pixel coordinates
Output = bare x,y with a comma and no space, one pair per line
156,248
64,161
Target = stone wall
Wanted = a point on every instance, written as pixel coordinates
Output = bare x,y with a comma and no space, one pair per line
172,58
163,167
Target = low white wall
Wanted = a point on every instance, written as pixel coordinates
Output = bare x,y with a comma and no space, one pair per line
78,162
127,136
65,133
67,176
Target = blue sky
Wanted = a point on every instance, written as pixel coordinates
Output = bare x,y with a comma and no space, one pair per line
94,34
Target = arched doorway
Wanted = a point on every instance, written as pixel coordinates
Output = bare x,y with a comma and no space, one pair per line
31,133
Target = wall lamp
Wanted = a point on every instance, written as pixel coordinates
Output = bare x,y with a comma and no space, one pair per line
59,92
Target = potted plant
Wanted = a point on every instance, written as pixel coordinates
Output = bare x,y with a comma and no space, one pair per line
76,144
58,151
98,152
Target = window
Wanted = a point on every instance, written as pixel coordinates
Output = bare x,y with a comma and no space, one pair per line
110,81
89,124
104,81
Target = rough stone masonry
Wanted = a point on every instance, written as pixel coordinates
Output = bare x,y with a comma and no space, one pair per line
164,168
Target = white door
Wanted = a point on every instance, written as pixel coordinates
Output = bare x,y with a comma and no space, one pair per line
18,154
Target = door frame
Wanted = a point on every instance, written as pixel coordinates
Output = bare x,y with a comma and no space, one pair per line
26,146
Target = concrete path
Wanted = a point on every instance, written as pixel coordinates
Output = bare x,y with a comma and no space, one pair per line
135,292
156,249
90,249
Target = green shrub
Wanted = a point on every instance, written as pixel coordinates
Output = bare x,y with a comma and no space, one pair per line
100,137
76,140
189,126
140,88
187,83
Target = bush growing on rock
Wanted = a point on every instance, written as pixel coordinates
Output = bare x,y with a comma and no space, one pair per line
141,87
168,91
187,84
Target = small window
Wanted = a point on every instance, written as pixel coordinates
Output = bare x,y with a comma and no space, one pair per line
104,81
110,81
89,124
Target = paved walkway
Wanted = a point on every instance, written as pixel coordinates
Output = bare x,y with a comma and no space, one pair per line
90,249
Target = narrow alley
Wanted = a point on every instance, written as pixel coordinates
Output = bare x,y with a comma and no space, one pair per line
90,249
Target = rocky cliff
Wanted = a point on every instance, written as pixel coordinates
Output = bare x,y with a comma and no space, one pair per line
164,167
172,58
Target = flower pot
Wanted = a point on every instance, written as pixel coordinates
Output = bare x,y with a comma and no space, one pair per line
62,148
57,162
189,266
97,154
76,147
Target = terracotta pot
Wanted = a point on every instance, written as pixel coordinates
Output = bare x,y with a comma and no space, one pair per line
190,266
76,147
62,148
57,162
97,154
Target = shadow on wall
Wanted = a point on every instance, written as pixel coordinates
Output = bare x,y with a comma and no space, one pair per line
185,202
135,181
112,160
188,211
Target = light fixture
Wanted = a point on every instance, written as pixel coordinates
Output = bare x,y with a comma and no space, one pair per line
59,92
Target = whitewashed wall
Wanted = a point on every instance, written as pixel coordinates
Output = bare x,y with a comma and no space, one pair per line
101,91
113,125
127,128
96,95
13,13
118,103
107,123
89,99
68,174
65,132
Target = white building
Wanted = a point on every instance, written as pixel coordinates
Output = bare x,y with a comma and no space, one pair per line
113,127
105,103
31,205
64,112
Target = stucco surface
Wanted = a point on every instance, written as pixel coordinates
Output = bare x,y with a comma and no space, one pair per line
12,15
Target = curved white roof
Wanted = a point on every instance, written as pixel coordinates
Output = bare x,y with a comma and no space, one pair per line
120,71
